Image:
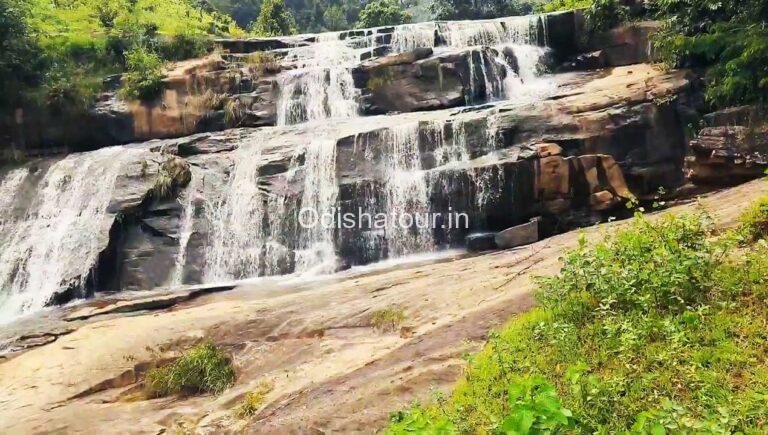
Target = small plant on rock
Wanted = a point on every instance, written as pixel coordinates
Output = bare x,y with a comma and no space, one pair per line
388,319
253,401
202,369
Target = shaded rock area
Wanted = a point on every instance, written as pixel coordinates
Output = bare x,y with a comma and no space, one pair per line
733,148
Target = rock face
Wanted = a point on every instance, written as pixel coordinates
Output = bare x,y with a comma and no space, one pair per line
728,155
570,159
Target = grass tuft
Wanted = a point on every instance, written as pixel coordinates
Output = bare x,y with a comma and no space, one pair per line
388,319
253,401
201,369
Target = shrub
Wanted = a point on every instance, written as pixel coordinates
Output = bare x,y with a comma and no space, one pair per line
185,46
234,113
253,401
174,172
754,222
144,78
601,15
659,266
651,330
263,61
728,37
202,369
387,319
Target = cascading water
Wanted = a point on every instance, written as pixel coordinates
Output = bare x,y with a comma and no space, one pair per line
316,248
517,35
187,226
321,86
407,194
55,245
249,227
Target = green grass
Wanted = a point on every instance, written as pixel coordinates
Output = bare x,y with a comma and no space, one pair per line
661,327
754,223
253,401
201,369
388,319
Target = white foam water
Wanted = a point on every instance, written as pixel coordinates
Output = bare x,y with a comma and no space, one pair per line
55,245
407,196
321,87
316,253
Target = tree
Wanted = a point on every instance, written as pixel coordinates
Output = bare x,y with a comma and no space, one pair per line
477,9
274,20
19,54
383,13
335,19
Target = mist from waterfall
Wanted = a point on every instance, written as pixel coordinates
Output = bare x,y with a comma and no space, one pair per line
55,243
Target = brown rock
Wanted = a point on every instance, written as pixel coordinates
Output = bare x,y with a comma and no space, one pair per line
524,234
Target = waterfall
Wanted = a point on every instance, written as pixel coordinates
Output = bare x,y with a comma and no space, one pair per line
407,194
321,87
236,240
55,245
187,226
316,251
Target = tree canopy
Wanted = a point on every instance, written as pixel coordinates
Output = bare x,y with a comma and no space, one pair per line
383,13
274,20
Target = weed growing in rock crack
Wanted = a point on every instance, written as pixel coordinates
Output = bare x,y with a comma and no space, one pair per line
388,319
253,401
234,113
658,328
201,369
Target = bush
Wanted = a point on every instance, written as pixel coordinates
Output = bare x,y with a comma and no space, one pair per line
659,266
69,88
253,401
263,61
728,37
202,369
144,78
387,319
651,330
601,15
19,54
754,222
185,46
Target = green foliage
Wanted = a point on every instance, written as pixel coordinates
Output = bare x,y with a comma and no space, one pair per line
387,319
468,9
654,329
274,20
69,87
202,369
144,77
253,401
335,18
651,267
383,13
728,37
19,53
564,5
601,15
754,222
